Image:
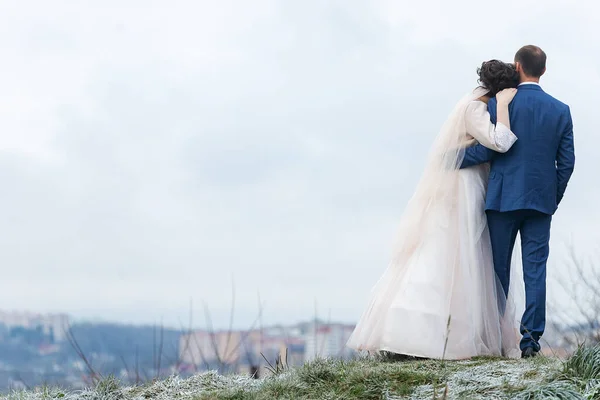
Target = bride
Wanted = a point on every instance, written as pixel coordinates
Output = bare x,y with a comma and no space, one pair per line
439,297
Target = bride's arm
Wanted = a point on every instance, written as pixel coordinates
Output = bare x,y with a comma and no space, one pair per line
497,137
503,99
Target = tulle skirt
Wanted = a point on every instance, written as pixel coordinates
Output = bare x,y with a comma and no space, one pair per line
442,299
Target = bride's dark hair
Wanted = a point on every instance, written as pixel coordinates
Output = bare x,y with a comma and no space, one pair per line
495,75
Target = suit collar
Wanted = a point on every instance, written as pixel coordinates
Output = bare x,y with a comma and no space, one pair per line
530,86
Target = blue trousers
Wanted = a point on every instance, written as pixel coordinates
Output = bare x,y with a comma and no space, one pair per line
534,228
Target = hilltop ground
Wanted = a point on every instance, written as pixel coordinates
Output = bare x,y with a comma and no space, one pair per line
373,378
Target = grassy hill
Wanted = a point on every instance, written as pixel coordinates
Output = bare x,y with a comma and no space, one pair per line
373,378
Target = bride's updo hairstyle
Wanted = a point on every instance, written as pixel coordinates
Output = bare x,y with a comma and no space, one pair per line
495,75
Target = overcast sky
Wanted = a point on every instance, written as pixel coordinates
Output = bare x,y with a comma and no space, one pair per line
152,151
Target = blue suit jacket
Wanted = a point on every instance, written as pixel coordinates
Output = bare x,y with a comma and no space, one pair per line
534,173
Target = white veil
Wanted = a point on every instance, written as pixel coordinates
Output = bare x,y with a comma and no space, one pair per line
439,181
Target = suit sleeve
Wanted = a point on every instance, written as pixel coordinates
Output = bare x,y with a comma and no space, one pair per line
479,154
565,158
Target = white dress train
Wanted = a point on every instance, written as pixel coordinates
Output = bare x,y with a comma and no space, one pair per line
439,297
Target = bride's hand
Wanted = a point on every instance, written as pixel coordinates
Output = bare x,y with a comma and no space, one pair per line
505,96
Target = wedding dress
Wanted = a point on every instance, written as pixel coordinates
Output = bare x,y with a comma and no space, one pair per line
439,297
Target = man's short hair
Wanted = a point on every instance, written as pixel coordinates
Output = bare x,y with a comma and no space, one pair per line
532,60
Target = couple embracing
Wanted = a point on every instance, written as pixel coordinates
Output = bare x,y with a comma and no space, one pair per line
497,173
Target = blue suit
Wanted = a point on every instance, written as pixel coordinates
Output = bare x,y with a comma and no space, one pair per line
525,186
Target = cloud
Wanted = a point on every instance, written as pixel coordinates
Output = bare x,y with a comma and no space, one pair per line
150,150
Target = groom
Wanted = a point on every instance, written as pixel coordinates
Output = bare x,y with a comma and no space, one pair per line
526,185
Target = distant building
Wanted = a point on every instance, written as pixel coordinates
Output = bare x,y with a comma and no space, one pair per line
327,341
52,325
251,352
218,349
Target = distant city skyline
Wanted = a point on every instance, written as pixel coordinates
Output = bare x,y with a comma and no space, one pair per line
136,354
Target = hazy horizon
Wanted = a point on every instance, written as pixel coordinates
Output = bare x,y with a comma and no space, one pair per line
153,151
